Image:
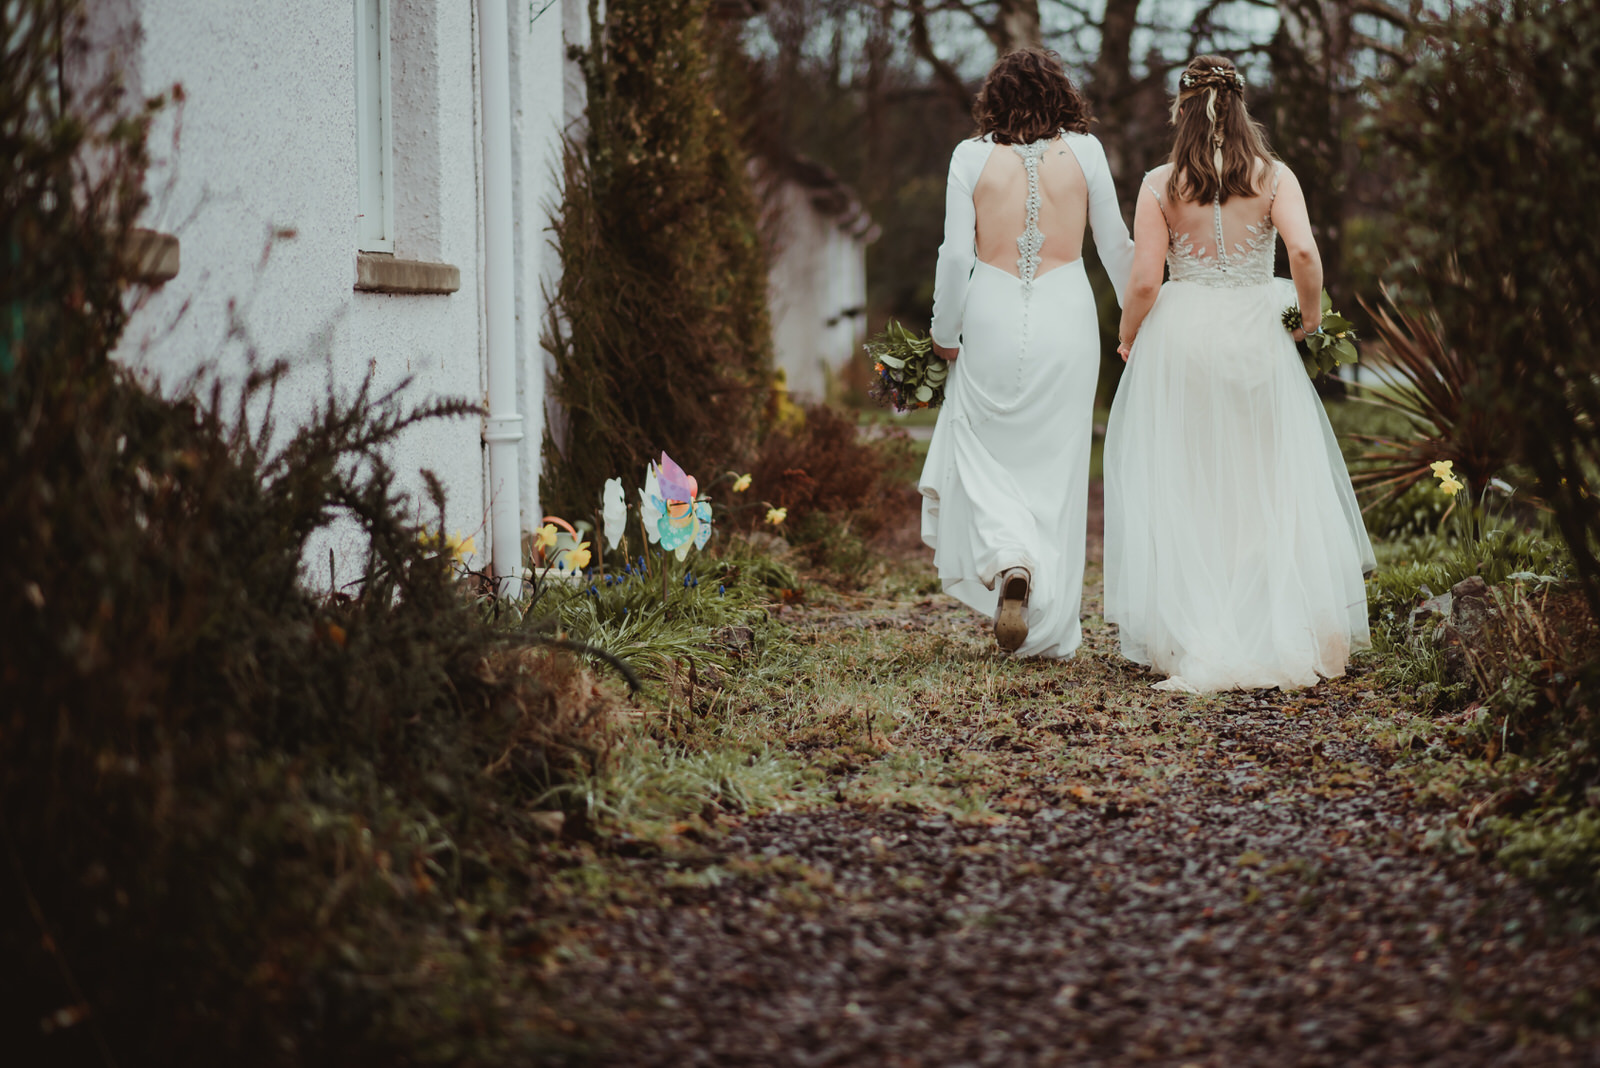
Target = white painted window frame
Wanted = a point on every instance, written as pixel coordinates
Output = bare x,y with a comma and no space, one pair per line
374,152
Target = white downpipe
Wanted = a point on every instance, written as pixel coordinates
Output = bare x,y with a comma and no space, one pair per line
503,430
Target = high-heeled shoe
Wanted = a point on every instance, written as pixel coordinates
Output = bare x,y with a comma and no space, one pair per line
1011,614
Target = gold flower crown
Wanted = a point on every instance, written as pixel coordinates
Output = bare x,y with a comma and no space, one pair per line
1195,81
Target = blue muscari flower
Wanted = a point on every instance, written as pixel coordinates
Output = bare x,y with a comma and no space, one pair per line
721,590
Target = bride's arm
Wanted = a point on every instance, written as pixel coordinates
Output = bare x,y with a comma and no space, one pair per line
1305,263
1149,262
1110,230
957,256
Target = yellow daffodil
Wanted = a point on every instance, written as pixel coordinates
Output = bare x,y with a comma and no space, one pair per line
741,483
776,516
545,537
1449,486
1442,469
453,544
577,559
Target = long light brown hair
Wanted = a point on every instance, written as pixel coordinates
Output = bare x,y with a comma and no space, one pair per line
1028,97
1217,146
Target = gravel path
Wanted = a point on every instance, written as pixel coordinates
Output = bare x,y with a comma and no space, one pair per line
1247,880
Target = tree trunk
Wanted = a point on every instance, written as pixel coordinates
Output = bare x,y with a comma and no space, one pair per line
1016,26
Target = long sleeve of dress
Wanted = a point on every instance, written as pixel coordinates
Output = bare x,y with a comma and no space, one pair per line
1106,223
959,253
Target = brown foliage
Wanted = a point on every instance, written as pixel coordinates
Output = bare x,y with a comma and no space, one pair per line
826,466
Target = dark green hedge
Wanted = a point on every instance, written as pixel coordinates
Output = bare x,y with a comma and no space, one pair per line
659,327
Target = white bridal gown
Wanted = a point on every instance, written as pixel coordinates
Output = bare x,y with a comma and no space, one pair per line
1234,547
1006,481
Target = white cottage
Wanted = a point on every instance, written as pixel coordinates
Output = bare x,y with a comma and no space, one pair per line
817,233
364,186
360,185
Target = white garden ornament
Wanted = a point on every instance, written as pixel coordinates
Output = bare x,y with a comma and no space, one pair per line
614,509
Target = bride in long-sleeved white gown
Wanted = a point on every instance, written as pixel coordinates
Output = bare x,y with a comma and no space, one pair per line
1005,485
1234,547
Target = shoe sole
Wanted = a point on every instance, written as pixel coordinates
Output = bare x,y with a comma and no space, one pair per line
1011,624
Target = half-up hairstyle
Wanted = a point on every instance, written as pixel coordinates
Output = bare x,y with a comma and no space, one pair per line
1028,97
1217,146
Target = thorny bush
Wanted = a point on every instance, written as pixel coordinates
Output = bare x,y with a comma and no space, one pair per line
238,821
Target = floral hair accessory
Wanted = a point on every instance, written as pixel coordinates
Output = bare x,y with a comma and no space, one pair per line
1195,81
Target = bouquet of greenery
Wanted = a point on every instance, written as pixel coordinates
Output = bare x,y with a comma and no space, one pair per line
910,374
1333,345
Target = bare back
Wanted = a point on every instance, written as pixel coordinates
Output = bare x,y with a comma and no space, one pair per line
1243,218
1000,199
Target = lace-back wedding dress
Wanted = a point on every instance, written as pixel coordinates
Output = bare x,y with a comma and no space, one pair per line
1235,551
1007,475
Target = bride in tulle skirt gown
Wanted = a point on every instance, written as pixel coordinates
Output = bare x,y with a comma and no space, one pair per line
1005,485
1235,551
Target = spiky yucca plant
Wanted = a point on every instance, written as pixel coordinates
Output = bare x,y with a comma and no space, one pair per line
1429,383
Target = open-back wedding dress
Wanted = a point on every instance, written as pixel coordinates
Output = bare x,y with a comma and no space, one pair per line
1007,476
1234,547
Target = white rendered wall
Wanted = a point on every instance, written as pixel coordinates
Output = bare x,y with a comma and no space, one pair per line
817,273
265,143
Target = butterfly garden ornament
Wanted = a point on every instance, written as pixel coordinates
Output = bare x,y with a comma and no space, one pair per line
683,516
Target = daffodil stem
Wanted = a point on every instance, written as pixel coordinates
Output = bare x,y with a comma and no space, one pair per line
599,544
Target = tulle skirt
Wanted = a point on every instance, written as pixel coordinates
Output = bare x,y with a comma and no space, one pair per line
1006,482
1235,551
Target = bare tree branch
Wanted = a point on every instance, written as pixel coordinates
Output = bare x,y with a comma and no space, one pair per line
922,45
1395,52
1381,10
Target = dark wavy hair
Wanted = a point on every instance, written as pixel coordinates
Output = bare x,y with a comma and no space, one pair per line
1028,97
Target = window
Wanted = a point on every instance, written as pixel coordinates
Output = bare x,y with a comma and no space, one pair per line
374,168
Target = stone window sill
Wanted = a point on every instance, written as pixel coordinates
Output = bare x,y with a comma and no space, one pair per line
149,256
378,272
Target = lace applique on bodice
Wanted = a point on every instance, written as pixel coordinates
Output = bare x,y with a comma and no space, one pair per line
1248,263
